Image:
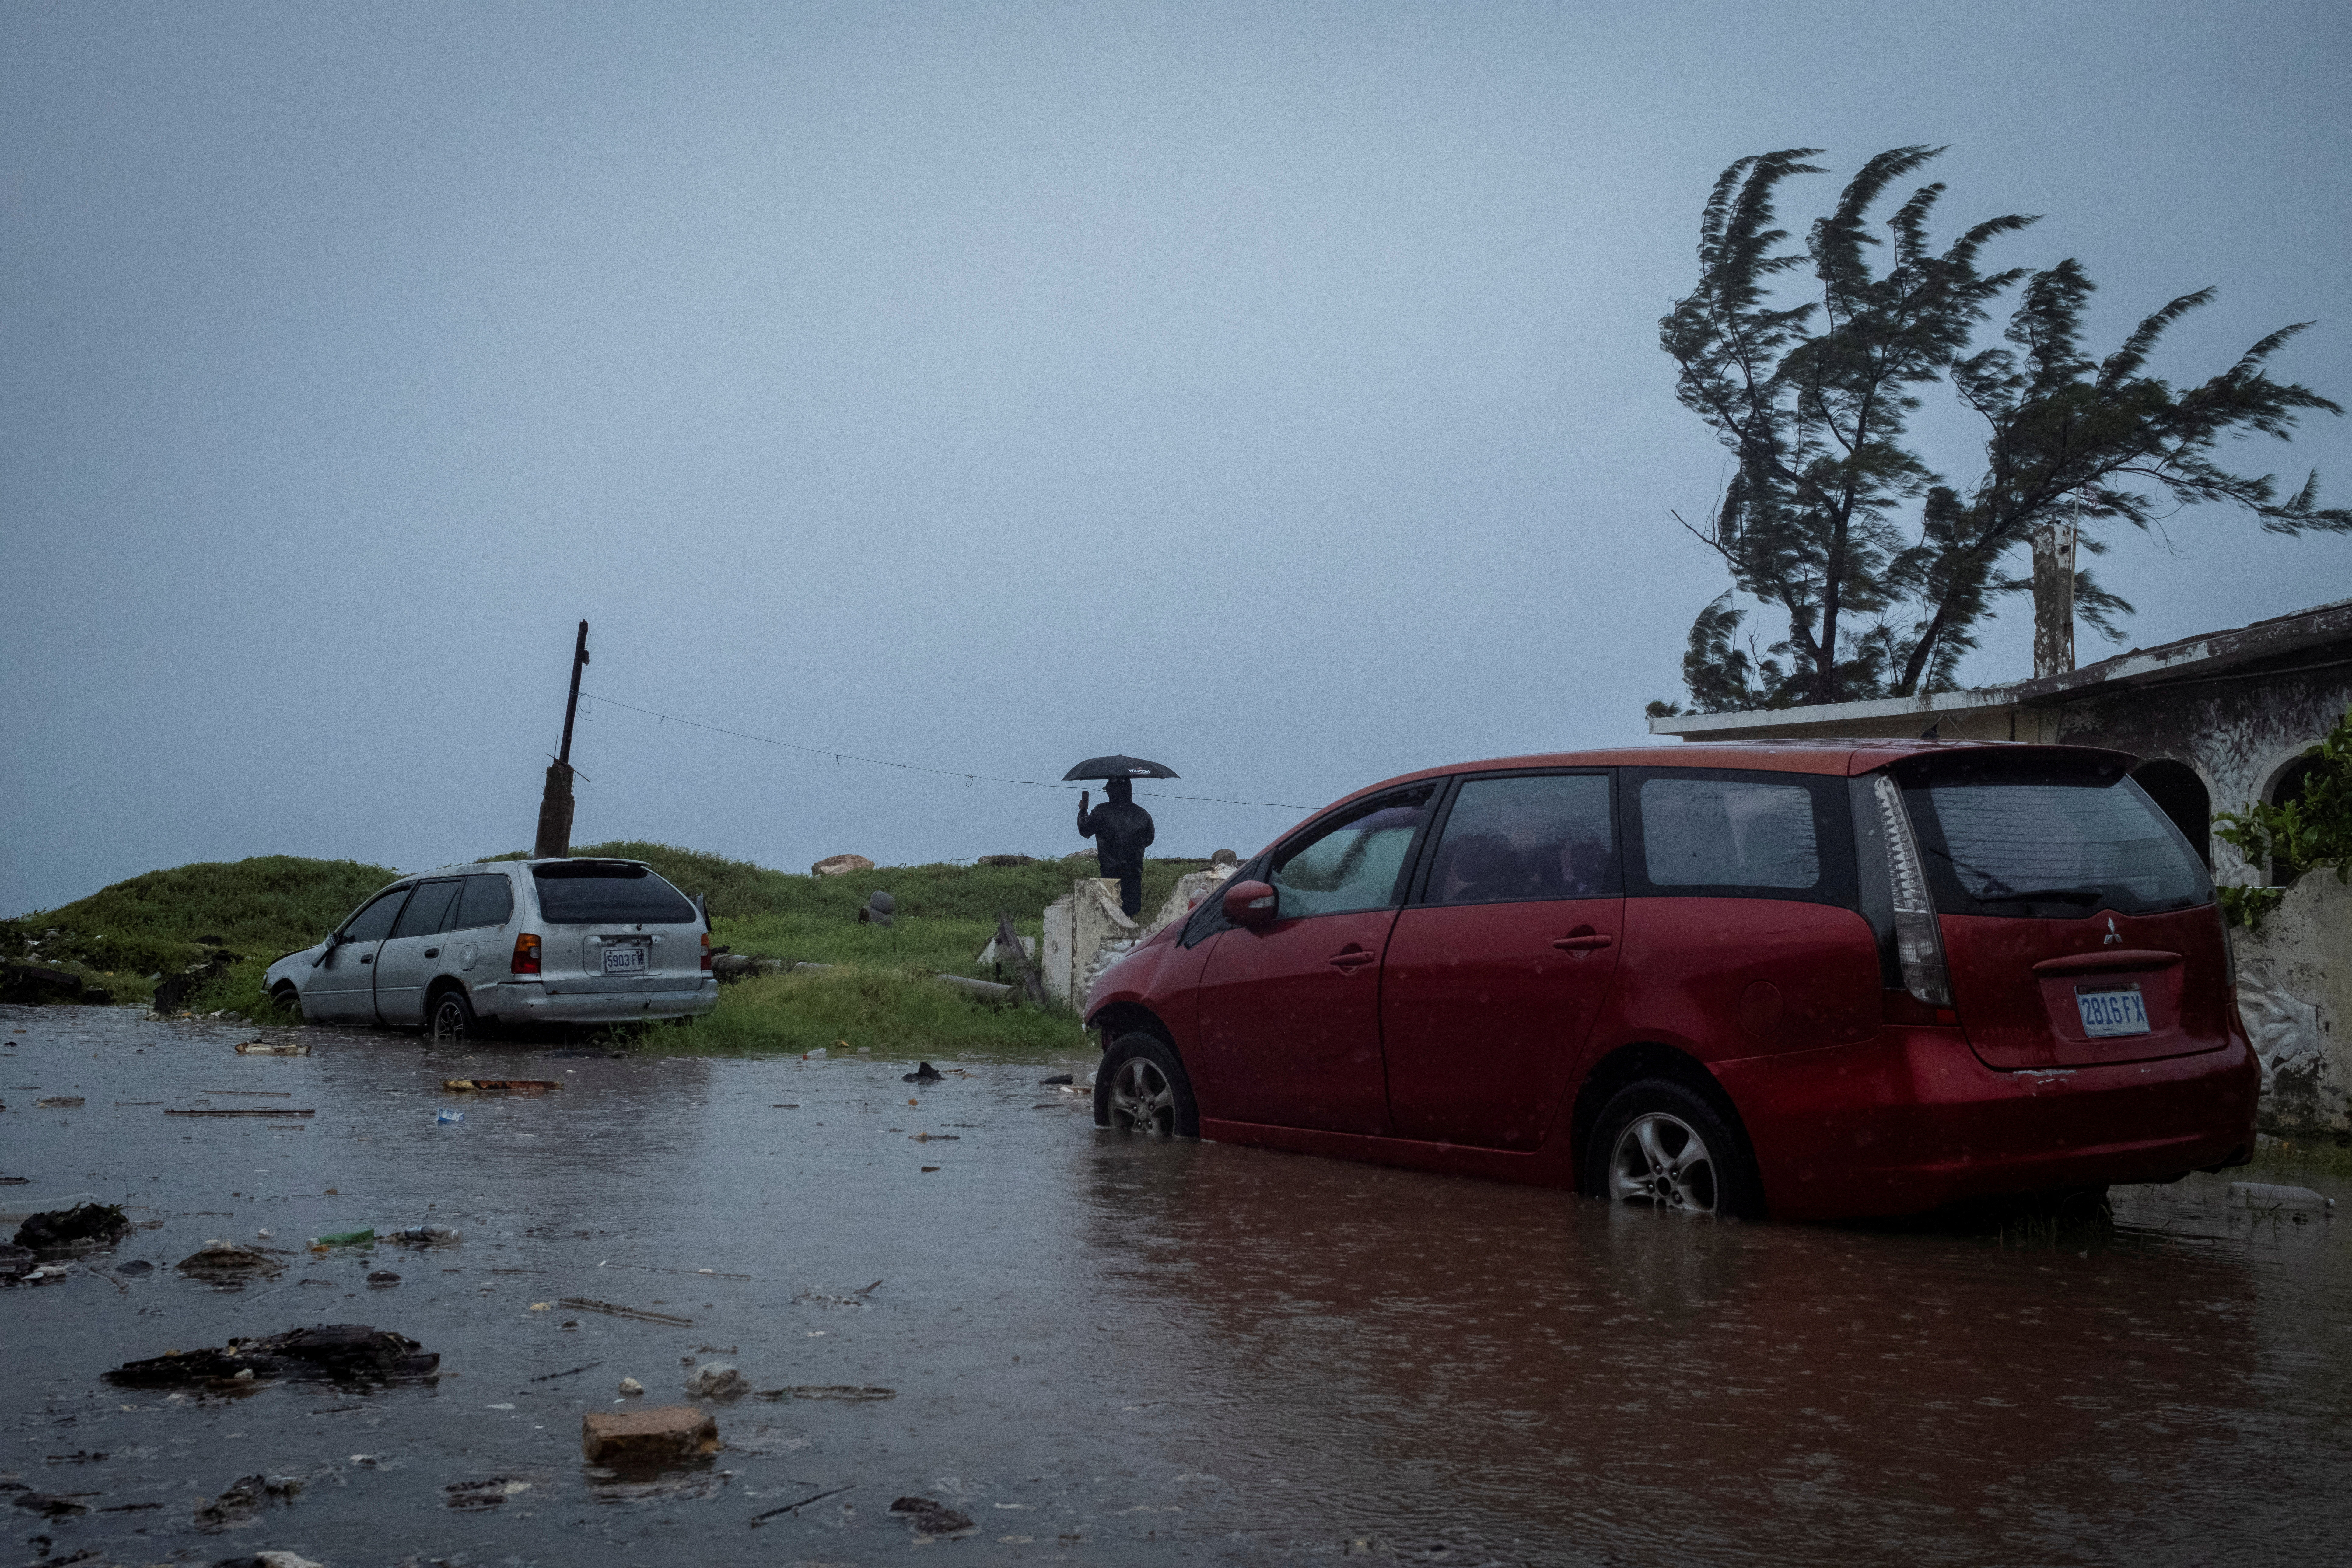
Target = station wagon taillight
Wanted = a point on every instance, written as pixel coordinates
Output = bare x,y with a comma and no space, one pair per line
1919,947
526,955
706,953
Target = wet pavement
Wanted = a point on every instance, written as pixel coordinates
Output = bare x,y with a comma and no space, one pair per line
1098,1348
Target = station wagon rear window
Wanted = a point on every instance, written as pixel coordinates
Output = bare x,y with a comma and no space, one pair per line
2052,844
595,893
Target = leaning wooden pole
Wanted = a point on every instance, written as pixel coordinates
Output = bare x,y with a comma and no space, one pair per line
554,840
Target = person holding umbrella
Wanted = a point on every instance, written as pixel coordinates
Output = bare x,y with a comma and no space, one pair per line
1120,828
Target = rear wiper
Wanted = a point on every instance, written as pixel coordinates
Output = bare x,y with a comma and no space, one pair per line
2045,896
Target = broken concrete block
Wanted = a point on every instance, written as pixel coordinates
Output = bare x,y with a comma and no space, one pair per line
717,1381
667,1434
840,866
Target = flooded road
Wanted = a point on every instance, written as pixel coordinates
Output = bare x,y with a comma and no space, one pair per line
1100,1349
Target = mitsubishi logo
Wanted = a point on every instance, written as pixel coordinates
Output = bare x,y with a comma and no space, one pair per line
2113,936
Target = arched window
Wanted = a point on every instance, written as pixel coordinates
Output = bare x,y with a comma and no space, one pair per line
2292,780
2181,795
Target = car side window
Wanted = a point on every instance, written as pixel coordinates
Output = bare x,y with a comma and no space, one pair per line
1542,835
1743,833
373,923
428,911
1715,833
487,901
1354,861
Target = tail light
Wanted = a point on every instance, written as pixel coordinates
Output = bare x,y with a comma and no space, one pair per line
1918,945
526,955
706,953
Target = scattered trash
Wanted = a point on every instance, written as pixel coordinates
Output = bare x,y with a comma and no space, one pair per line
365,1233
244,1498
932,1517
717,1381
852,1391
524,1085
337,1351
259,1048
583,1304
935,1138
928,1168
16,1211
487,1494
815,1056
238,1111
226,1263
790,1507
380,1277
666,1435
2259,1195
82,1227
925,1073
16,1261
422,1236
630,1387
247,1093
782,1107
449,1117
281,1560
1057,1077
59,1102
49,1506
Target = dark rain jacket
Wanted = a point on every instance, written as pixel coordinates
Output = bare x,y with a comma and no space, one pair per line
1121,832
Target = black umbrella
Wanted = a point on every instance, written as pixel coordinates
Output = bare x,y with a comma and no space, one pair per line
1120,768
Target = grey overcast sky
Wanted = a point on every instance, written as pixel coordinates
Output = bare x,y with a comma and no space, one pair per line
1269,389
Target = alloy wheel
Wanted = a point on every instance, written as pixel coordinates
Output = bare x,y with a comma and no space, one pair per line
1141,1099
449,1021
1662,1161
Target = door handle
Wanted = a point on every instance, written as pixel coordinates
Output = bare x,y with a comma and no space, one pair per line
1584,941
432,952
1353,958
367,958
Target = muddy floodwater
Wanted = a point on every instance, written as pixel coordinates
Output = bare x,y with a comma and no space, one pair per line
1098,1348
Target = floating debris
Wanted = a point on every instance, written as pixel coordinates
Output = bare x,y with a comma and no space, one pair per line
238,1111
585,1304
852,1391
80,1227
521,1085
259,1047
342,1351
932,1517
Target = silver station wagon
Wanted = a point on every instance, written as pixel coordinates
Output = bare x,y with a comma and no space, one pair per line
508,942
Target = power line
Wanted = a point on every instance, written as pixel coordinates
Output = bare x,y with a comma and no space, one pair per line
917,767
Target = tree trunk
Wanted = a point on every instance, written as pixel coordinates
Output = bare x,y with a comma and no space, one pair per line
2053,598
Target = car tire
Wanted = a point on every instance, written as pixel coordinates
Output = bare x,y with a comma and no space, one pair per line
1141,1087
290,997
450,1020
1641,1154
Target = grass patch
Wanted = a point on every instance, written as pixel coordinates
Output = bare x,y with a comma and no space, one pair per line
890,1012
125,936
2293,1160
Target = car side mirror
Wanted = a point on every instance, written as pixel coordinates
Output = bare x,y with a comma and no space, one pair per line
1251,904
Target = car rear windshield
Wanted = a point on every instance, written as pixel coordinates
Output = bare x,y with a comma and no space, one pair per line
589,893
2049,843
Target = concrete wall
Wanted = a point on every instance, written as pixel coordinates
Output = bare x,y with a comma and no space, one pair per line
2294,991
1078,925
2238,734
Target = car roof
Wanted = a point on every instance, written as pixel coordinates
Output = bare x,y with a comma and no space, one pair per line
1841,759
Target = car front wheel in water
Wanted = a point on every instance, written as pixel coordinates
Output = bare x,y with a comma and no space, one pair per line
1141,1087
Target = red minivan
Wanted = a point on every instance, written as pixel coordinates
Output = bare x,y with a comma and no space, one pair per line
1805,980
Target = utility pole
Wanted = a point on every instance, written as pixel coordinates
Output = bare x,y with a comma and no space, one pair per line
555,804
2053,593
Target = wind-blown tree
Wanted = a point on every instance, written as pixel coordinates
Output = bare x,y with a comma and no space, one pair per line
1884,569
